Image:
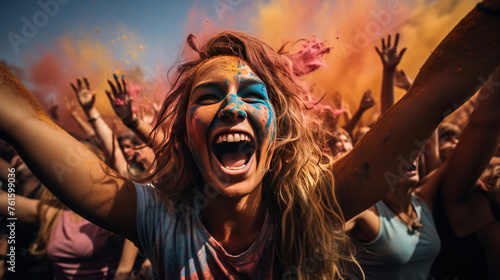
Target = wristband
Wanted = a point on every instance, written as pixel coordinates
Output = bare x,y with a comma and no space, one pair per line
488,10
133,124
93,119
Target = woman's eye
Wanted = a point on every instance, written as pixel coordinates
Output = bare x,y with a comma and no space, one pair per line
253,96
208,99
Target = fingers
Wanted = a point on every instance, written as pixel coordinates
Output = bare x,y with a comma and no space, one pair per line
389,41
124,85
74,88
368,93
378,51
396,41
87,84
79,83
111,98
113,88
383,43
402,52
118,85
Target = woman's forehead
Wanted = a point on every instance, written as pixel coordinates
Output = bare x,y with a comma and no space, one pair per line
223,67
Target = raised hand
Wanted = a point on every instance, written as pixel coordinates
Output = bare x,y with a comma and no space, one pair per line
402,80
389,54
120,99
367,101
85,97
148,115
70,105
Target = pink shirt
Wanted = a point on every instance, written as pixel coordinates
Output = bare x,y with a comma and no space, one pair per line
82,250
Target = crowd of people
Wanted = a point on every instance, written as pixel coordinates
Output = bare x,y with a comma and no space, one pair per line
243,174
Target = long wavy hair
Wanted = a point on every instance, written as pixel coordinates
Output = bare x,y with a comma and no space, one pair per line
298,189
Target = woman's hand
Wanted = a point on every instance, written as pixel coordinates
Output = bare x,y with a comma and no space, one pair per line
389,55
70,106
85,97
120,100
367,101
402,80
148,115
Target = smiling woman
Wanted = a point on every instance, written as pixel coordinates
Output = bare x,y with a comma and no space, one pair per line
241,118
244,178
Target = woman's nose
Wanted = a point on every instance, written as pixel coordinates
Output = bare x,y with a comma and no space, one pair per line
232,109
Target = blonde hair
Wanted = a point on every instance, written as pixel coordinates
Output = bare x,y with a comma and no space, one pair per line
298,189
48,202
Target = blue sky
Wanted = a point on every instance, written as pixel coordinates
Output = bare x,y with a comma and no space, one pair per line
161,25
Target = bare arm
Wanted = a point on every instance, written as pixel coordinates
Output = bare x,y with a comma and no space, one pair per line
83,124
431,153
390,59
448,77
109,143
472,155
25,209
4,169
121,101
72,172
367,102
126,264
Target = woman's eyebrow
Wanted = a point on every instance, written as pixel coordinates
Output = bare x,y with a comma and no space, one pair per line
210,85
246,83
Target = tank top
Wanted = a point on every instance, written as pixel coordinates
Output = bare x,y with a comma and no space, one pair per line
398,252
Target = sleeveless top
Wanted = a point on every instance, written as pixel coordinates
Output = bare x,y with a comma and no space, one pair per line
398,252
82,250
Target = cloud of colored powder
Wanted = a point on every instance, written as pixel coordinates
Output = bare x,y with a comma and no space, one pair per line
353,29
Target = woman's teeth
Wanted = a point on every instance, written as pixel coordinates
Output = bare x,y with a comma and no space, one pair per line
232,137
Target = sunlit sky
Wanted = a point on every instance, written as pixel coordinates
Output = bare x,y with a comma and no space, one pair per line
161,25
48,45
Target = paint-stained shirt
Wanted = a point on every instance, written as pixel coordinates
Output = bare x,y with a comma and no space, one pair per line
179,246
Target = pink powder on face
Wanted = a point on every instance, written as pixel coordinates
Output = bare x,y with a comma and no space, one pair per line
309,57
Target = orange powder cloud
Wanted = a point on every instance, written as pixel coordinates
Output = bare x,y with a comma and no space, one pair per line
353,29
79,54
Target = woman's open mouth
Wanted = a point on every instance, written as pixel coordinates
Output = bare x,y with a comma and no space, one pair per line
233,150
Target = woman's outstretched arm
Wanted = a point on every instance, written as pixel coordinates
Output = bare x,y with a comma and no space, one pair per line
447,79
68,169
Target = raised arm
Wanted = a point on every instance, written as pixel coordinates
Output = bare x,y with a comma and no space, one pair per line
390,59
447,78
68,169
121,101
84,125
467,210
367,102
109,143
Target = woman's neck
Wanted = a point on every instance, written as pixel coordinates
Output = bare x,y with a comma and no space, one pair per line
235,223
399,200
